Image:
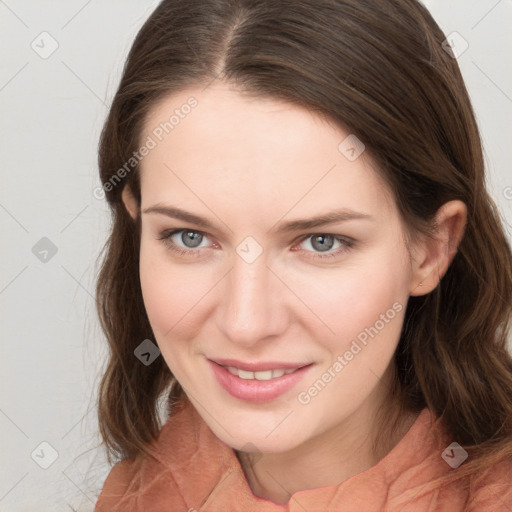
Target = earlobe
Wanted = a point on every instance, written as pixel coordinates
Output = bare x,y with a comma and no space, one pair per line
433,255
130,202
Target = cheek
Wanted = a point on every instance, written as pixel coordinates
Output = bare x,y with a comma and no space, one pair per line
171,292
352,300
365,308
341,303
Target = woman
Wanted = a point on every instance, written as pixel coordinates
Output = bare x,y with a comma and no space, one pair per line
304,264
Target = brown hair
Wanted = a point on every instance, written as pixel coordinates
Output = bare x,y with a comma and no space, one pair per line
377,67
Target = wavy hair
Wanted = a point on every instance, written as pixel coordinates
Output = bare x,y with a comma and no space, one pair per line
379,68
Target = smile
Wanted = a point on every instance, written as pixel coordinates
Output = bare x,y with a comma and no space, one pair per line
261,375
257,386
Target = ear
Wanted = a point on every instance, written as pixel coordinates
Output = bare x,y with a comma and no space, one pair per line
130,202
431,256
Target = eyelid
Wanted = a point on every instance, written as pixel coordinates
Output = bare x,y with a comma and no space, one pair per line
346,243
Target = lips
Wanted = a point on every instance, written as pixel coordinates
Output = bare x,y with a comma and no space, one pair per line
244,384
259,367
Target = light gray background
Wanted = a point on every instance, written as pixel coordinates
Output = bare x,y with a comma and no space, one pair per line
52,111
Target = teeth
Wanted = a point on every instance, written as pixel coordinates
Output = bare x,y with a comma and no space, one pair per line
245,375
263,375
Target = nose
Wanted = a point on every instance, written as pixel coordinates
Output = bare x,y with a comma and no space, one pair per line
252,303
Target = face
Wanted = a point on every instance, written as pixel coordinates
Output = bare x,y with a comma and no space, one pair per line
252,288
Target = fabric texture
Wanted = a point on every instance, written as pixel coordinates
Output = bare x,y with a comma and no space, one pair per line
192,470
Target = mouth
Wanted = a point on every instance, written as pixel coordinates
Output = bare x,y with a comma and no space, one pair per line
261,375
257,382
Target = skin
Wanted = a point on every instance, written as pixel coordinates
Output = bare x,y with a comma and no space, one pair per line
247,165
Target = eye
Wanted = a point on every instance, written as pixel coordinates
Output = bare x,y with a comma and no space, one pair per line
190,238
191,243
324,242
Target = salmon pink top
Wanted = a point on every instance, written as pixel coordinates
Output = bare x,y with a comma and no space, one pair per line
192,470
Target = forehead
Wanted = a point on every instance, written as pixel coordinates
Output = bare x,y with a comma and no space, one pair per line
253,153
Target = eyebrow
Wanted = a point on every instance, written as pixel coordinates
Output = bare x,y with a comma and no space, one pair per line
340,215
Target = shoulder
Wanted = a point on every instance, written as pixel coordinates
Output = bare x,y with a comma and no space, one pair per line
492,491
126,489
146,482
120,482
420,475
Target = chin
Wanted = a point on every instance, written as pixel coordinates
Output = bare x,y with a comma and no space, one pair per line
260,432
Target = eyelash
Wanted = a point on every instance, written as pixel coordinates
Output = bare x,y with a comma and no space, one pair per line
165,237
